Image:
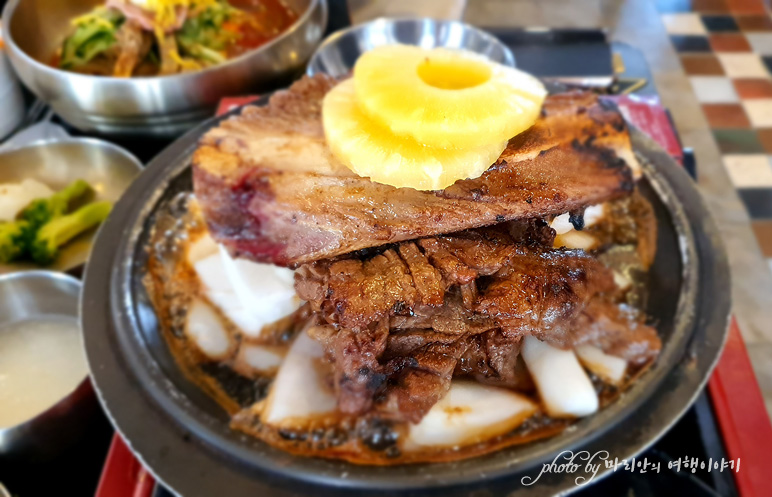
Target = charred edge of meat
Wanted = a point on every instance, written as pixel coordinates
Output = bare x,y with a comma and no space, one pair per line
576,218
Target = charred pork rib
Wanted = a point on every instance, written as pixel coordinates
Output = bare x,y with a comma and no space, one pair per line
271,190
399,324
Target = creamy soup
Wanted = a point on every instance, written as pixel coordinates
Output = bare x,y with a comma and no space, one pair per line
41,361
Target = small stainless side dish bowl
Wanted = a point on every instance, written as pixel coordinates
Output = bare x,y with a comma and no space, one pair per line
338,52
31,295
160,105
109,169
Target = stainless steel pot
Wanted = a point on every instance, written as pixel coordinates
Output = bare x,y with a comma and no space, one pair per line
183,436
162,105
338,52
33,295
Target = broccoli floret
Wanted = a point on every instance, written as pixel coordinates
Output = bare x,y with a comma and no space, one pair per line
14,239
52,235
41,211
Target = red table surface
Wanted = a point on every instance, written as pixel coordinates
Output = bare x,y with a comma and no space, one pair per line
734,391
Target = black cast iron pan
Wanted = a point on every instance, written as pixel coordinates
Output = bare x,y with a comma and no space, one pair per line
183,437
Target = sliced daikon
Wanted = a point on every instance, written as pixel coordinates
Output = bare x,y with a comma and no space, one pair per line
219,291
469,413
211,274
206,330
16,196
266,291
203,247
592,215
609,368
576,240
300,392
562,224
622,281
254,358
563,385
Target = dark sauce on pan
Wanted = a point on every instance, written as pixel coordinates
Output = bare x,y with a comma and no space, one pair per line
172,284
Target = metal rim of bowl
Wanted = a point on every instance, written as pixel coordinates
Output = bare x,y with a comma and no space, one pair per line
10,8
334,37
118,372
84,384
78,140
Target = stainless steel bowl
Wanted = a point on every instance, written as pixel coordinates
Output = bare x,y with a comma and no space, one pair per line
107,167
163,105
184,437
338,52
39,294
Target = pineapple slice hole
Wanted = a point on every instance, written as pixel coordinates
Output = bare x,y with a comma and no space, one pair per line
454,74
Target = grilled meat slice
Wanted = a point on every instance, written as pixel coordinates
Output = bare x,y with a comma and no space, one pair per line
518,287
271,191
357,373
493,358
617,329
399,324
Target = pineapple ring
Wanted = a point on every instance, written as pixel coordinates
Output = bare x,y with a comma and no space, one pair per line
446,98
372,151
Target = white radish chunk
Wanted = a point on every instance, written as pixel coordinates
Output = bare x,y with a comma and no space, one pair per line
469,413
576,240
561,224
206,330
622,281
16,196
266,291
203,247
608,368
218,289
253,358
300,392
211,274
592,215
564,387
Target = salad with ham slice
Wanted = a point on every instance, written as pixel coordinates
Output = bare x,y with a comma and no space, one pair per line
125,38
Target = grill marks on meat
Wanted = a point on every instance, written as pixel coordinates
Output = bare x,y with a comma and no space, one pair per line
493,358
356,293
539,292
402,323
419,371
358,375
272,192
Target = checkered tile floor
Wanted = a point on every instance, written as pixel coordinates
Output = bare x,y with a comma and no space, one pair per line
725,47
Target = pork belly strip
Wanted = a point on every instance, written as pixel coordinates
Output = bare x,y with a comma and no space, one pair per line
396,332
272,192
